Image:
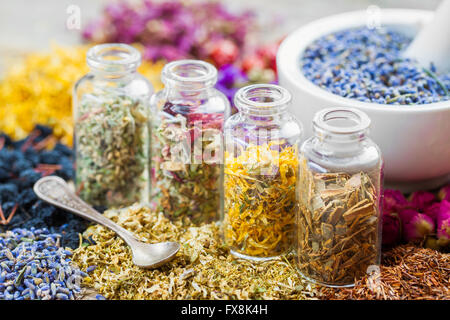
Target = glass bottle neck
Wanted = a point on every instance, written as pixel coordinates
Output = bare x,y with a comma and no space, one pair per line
262,101
112,61
188,78
341,131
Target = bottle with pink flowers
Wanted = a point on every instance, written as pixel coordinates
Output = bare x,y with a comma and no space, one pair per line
339,190
187,117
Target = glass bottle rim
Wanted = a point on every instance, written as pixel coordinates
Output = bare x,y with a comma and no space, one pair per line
262,98
341,121
189,73
113,57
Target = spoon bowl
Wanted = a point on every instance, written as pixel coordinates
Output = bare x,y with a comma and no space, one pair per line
55,191
153,254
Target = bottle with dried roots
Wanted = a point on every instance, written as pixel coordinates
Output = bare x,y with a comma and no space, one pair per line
340,177
261,164
111,114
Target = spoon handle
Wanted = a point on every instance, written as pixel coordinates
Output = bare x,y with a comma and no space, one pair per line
55,191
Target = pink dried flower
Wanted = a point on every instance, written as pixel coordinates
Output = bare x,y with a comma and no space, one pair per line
444,193
443,222
433,210
415,225
172,29
394,201
421,200
392,227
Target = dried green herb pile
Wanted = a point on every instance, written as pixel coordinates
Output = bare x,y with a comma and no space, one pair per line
203,269
112,140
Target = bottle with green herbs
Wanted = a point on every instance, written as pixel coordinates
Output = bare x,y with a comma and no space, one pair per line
261,164
339,193
111,115
186,132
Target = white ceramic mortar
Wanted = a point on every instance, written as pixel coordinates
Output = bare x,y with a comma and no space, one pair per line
414,139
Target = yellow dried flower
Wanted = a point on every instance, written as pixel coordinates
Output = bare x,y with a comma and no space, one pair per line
38,90
260,209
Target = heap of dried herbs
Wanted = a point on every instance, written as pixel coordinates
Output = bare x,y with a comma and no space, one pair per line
37,90
260,199
112,147
184,182
338,226
203,269
407,272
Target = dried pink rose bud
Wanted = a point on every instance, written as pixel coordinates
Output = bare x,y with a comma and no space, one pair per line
443,222
394,201
415,225
422,199
392,226
444,193
433,210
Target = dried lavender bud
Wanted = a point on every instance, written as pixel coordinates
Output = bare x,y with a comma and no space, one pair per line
366,65
34,266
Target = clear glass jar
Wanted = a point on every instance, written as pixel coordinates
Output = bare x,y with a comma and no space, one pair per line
111,113
261,164
339,193
186,154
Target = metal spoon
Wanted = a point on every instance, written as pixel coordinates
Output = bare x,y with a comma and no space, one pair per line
55,191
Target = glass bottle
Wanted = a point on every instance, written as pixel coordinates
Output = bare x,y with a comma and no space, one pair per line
186,154
261,164
339,193
111,113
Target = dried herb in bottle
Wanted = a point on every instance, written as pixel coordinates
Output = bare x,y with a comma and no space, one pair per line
112,128
261,166
186,131
337,226
112,150
338,222
260,207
